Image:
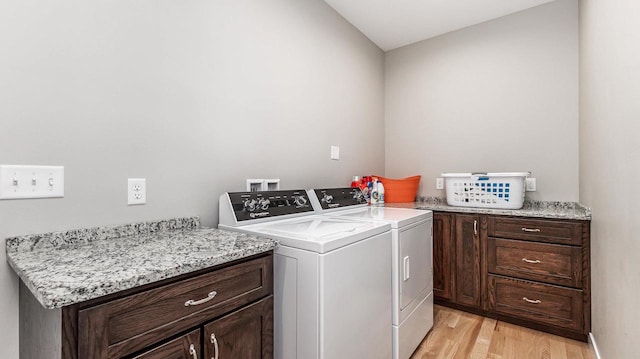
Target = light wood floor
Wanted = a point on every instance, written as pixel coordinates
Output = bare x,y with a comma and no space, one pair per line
458,335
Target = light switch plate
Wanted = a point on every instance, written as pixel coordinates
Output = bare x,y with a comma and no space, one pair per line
440,183
335,153
24,182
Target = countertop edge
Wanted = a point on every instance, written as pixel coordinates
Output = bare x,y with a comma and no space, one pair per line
144,280
532,209
21,259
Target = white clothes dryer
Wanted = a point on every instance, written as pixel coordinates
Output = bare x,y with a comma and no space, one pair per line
332,276
412,260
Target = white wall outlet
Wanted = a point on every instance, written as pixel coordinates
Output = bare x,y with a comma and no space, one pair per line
530,184
255,185
440,183
136,191
335,153
22,182
272,184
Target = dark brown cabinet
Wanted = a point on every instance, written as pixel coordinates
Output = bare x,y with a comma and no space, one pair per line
184,347
246,333
227,312
443,256
467,234
529,271
538,270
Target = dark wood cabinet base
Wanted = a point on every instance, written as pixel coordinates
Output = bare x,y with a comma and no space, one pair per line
232,302
526,271
515,320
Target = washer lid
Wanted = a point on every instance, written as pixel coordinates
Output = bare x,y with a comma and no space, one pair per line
397,217
317,233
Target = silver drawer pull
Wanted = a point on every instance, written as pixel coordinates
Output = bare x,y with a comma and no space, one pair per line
193,352
537,301
203,300
214,341
531,261
530,229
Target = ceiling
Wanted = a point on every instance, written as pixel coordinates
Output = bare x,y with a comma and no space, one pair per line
395,23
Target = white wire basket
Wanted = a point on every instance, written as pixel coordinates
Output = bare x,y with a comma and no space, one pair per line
486,190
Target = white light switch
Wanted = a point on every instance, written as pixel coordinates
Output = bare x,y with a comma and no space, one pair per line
22,182
335,152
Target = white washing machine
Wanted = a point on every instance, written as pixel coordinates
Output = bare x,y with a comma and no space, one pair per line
412,260
332,276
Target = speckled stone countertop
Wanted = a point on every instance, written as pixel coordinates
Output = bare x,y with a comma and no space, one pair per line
539,209
64,268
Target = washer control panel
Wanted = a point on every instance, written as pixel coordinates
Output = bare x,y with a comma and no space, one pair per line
339,197
268,204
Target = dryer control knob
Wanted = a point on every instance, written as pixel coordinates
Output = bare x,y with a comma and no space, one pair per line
250,205
264,203
327,198
300,200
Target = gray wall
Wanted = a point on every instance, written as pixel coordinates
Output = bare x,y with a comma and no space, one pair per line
610,166
500,96
196,96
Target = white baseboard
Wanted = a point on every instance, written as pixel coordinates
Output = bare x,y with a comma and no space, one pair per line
594,346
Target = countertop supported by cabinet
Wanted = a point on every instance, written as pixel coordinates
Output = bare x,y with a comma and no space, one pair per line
65,268
533,209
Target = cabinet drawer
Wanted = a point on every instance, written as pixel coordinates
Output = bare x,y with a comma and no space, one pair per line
551,263
184,347
540,230
129,324
537,302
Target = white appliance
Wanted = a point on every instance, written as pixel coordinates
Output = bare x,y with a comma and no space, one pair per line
412,260
332,276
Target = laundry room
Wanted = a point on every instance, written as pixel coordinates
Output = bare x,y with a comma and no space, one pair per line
152,111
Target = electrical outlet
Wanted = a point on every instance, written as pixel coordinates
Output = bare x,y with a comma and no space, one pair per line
440,183
23,182
530,184
136,191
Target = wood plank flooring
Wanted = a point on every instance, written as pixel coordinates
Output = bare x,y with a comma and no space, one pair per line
461,335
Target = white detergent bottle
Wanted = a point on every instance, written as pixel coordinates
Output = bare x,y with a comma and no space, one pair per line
374,193
380,188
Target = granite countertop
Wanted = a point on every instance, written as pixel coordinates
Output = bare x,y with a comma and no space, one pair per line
64,268
539,209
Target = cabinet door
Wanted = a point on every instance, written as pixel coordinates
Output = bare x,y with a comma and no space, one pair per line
244,334
443,245
184,347
468,259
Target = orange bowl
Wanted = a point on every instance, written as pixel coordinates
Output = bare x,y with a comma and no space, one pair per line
400,190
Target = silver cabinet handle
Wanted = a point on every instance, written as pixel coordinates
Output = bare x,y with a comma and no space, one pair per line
475,227
537,301
530,229
214,341
193,352
200,301
531,261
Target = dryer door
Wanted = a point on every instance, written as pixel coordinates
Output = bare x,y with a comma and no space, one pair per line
415,262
